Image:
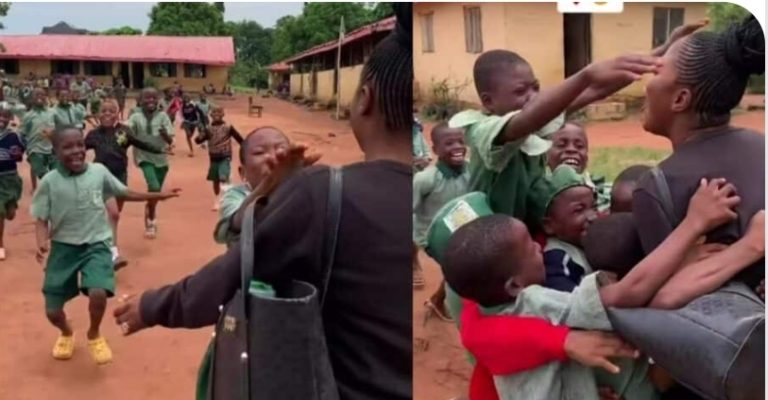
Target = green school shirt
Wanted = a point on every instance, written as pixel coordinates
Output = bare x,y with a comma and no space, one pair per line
205,107
34,122
581,309
80,89
432,189
74,204
230,203
149,132
509,173
71,114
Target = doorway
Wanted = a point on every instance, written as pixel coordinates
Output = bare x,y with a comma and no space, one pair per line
125,73
138,75
577,37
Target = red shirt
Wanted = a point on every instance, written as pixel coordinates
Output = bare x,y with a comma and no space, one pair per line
505,345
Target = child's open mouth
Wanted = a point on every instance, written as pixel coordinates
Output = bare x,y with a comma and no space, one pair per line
571,161
457,155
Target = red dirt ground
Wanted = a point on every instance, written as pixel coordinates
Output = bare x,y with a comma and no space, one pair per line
441,370
158,363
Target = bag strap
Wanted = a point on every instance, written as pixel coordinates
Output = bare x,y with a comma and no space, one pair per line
665,196
246,254
333,219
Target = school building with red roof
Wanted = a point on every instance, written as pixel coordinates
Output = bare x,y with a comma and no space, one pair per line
193,62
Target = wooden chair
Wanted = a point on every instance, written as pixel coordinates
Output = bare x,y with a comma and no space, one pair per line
254,108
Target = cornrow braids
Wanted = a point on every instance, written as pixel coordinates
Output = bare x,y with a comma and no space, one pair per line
717,67
390,71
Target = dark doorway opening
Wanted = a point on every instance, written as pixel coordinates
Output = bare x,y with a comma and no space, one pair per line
577,30
125,73
138,76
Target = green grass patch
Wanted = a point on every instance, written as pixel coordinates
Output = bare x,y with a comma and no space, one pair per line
244,89
610,161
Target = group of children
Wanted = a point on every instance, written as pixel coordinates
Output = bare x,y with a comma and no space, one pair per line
77,204
556,238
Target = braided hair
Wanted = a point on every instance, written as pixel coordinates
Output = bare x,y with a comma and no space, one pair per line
390,70
717,67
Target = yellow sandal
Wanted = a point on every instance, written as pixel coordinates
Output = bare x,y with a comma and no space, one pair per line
64,347
100,350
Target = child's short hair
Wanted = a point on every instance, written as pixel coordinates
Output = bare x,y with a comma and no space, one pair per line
244,145
59,132
490,64
479,256
613,244
631,175
437,130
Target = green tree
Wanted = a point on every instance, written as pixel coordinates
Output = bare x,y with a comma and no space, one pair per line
319,23
123,30
187,19
722,15
253,44
3,12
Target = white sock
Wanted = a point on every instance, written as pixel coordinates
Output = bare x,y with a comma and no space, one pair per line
115,252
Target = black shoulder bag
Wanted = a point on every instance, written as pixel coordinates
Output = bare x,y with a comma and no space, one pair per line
274,347
715,345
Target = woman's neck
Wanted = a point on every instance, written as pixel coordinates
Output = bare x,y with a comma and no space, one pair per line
682,135
392,150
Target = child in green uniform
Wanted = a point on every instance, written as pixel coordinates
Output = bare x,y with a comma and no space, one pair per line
219,136
153,127
257,147
69,210
68,113
570,146
205,107
35,130
432,189
97,96
11,151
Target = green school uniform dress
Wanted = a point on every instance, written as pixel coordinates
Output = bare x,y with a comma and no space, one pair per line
80,258
154,166
70,114
39,147
432,189
581,309
230,203
511,175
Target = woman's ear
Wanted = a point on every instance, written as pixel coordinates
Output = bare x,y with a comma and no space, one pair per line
365,100
682,100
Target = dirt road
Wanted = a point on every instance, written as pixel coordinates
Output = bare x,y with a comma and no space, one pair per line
157,363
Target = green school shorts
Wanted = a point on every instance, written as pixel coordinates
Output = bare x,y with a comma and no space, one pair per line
154,176
219,171
10,193
73,269
41,163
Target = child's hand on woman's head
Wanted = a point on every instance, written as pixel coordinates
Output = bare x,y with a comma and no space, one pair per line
712,205
620,72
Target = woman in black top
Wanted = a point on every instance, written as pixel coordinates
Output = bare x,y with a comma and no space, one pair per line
367,315
110,141
689,101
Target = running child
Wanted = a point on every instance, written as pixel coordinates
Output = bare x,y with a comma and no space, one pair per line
432,189
494,261
110,141
570,146
205,107
11,151
119,91
35,130
192,118
69,210
259,146
219,135
67,113
153,127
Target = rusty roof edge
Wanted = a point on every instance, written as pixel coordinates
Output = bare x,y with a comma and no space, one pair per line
386,24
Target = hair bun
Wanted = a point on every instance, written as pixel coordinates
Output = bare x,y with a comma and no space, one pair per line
745,47
404,28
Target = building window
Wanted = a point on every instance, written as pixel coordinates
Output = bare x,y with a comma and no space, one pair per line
427,33
66,67
97,68
473,32
665,20
162,70
10,66
194,71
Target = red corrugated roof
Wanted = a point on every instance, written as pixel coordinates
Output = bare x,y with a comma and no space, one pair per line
196,50
384,25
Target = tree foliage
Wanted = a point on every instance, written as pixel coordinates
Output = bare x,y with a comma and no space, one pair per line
722,15
187,19
319,23
123,30
253,44
4,11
